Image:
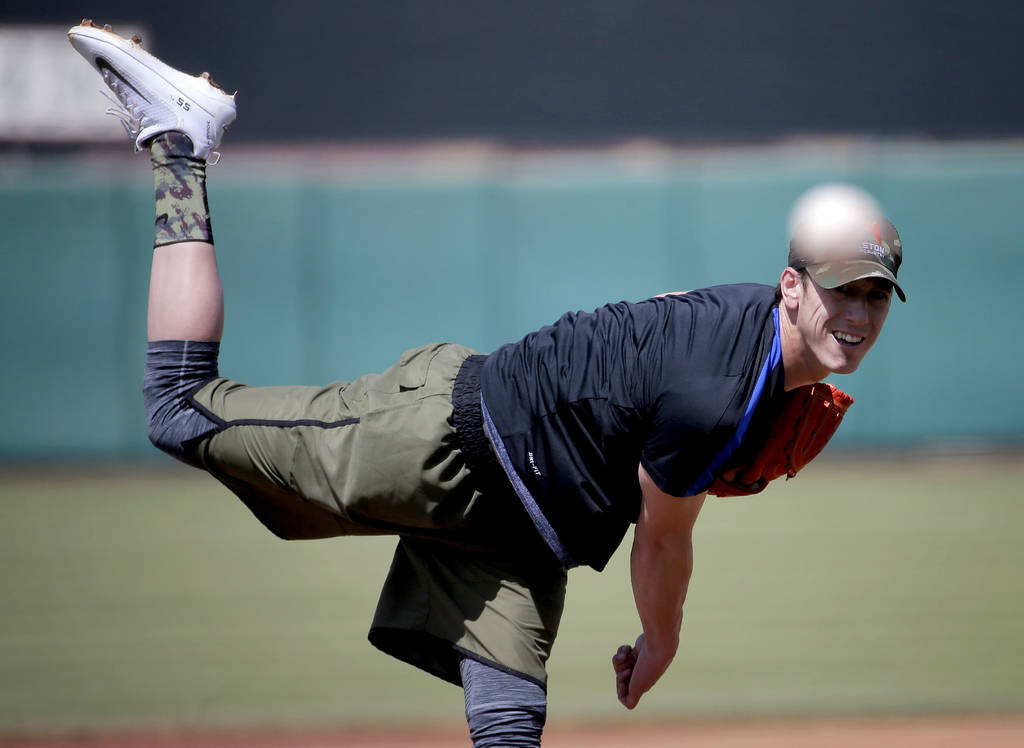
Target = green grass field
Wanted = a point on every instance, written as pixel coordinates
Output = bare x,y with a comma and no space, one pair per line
135,597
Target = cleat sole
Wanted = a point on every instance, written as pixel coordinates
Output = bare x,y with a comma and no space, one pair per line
87,23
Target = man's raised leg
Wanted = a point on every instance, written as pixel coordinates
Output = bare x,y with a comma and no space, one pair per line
181,119
186,303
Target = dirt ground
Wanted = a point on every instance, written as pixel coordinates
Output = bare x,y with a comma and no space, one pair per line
933,732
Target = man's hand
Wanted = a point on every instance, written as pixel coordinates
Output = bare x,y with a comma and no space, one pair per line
637,668
623,662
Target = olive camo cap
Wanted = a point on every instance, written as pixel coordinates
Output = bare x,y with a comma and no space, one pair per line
871,250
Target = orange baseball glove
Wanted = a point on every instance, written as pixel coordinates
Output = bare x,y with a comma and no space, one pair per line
808,419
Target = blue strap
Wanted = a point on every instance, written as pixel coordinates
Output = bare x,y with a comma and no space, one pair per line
774,357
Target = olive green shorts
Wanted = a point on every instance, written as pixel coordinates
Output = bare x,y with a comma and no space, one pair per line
380,455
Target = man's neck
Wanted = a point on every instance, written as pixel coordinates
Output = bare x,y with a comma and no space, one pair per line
797,362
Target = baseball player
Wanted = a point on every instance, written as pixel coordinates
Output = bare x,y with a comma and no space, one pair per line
498,472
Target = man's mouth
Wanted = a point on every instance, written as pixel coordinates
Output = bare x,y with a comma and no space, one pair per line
846,338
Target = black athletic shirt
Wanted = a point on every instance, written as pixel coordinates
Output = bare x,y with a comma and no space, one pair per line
671,383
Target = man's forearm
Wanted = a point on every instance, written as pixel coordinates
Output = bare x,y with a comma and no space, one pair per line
660,566
660,571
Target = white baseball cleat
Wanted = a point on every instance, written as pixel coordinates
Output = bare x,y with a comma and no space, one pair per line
154,98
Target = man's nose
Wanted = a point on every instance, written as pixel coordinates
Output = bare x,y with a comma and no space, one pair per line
856,311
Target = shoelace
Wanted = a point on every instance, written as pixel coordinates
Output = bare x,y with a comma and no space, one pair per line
123,108
125,112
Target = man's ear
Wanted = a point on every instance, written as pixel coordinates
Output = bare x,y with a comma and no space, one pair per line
792,287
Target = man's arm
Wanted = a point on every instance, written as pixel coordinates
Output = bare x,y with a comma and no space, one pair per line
660,566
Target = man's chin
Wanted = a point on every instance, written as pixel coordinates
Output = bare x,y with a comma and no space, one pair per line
846,367
845,361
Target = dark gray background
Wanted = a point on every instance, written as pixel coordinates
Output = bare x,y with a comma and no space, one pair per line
591,70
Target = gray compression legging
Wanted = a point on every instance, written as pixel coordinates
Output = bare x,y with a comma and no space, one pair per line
174,370
502,709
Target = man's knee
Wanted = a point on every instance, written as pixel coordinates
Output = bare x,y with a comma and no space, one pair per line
502,709
174,370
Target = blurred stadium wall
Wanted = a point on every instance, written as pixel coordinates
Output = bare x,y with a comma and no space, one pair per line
336,261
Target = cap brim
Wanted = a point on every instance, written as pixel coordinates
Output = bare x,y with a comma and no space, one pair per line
833,274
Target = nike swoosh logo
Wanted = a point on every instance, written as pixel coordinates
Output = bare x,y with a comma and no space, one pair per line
102,64
161,219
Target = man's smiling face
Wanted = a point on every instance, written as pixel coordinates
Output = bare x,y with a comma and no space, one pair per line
839,325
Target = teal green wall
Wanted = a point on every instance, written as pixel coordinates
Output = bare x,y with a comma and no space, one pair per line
331,272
